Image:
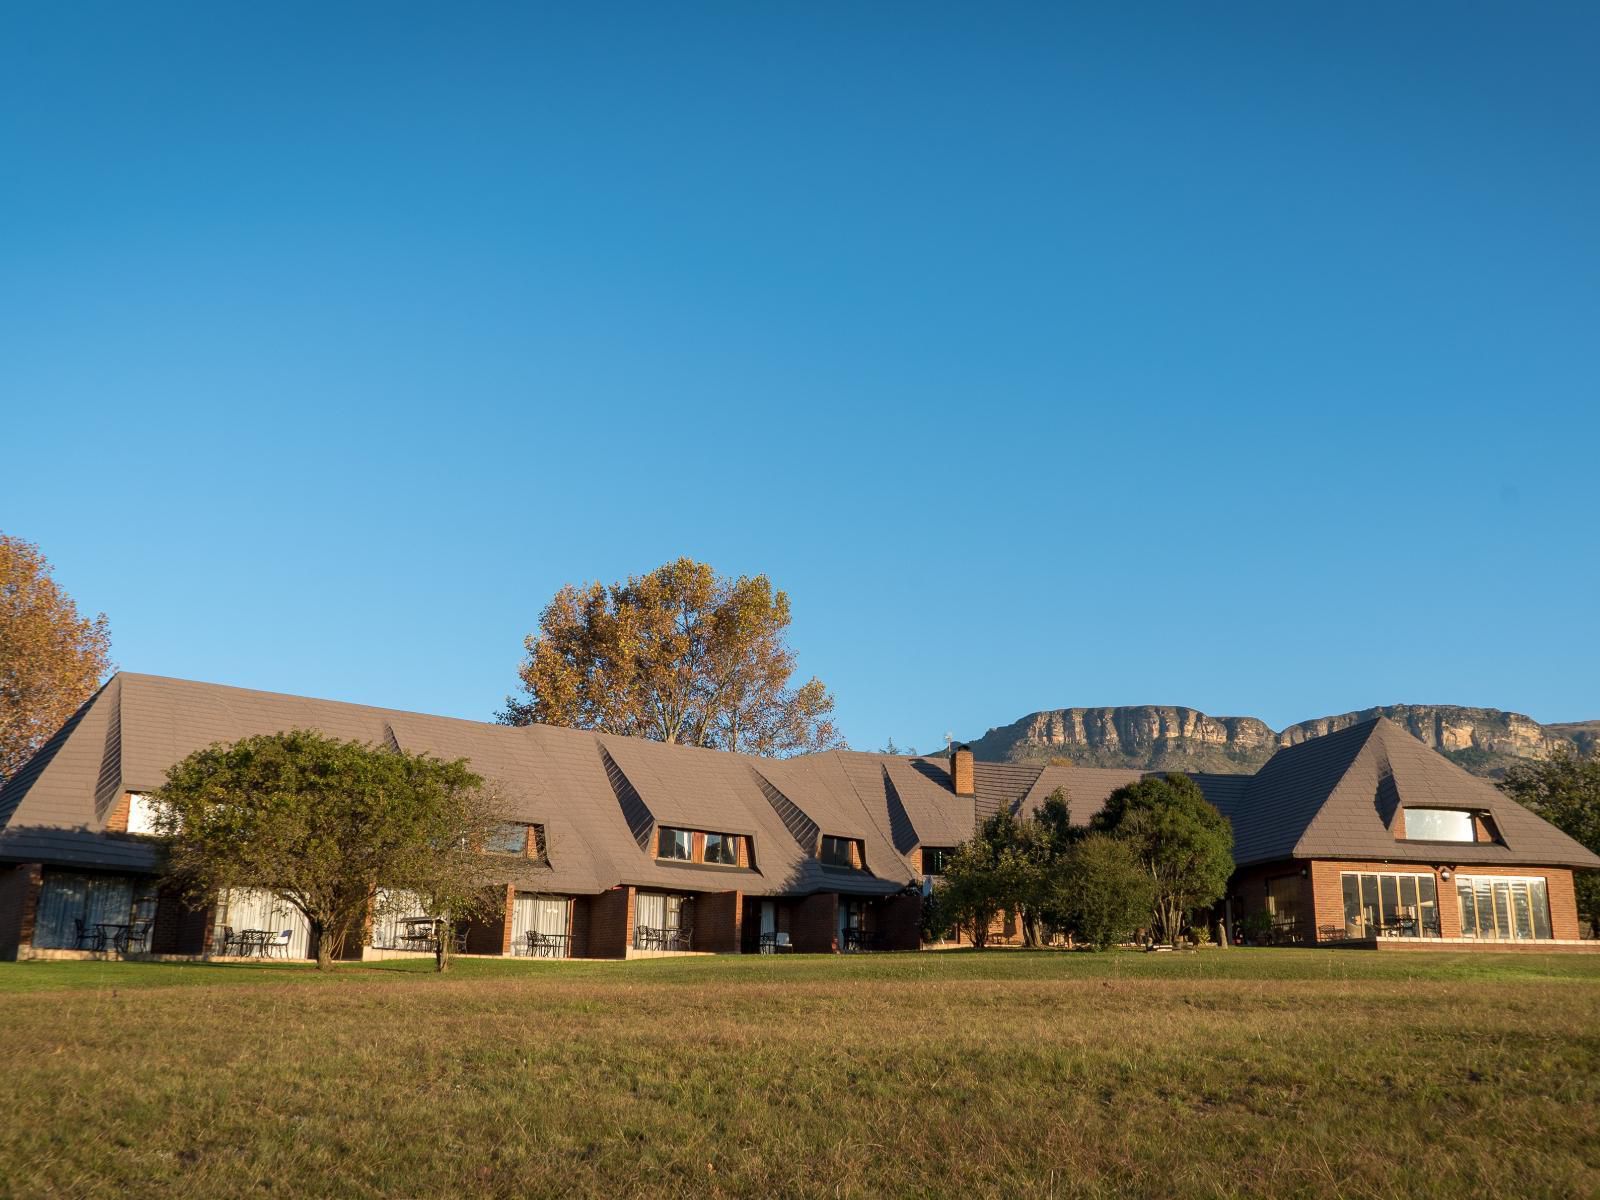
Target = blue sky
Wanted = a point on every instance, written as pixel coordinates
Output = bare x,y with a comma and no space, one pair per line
1238,356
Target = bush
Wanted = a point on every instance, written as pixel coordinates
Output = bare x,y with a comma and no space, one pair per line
1106,892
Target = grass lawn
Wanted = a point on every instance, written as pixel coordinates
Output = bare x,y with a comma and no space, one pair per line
1004,1073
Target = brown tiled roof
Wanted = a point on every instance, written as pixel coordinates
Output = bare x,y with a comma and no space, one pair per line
1336,796
601,798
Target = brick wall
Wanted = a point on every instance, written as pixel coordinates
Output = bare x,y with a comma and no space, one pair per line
814,924
897,922
492,934
718,922
19,898
608,923
117,818
179,929
1328,892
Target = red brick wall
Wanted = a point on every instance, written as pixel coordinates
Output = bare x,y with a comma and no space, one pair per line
814,924
179,929
19,897
492,934
1328,892
607,921
718,922
897,922
117,818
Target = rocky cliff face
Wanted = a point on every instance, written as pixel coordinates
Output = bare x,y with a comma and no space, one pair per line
1158,737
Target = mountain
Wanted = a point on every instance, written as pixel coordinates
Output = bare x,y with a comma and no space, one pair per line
1165,737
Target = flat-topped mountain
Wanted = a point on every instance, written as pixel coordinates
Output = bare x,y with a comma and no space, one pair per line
1158,737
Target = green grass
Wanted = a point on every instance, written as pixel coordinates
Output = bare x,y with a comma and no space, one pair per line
1221,1073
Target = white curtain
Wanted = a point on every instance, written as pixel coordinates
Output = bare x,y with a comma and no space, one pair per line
94,898
545,915
392,908
256,908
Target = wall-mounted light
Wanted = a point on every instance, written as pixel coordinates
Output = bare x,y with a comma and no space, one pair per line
1444,874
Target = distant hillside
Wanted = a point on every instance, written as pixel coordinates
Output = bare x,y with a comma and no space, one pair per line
1160,737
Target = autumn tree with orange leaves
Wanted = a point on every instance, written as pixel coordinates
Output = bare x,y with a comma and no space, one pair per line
51,659
680,654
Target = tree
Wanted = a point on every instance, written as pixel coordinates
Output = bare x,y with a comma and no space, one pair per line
996,871
1184,844
678,655
1564,789
51,658
1106,892
323,823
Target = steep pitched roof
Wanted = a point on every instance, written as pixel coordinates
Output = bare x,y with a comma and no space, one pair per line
1336,796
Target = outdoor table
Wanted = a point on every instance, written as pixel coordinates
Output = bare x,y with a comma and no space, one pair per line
254,941
114,934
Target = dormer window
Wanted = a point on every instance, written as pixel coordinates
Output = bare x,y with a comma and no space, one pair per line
1439,825
143,813
840,851
517,838
721,848
675,843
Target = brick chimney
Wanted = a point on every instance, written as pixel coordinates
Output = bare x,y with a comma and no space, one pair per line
961,770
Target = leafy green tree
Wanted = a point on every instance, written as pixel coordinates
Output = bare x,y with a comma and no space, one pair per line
680,654
322,823
1184,844
990,874
1564,789
1106,892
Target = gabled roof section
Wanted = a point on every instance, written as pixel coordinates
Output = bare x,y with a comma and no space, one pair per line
59,785
801,827
1337,796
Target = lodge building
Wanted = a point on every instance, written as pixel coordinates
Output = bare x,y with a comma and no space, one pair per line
616,847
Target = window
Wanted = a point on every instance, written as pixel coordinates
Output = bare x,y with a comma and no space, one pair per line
836,851
1502,908
509,837
1390,905
142,813
722,848
1438,825
936,858
674,843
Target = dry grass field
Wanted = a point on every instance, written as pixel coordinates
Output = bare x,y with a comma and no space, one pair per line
1221,1073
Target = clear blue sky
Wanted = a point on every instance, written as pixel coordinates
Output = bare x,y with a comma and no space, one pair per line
1238,356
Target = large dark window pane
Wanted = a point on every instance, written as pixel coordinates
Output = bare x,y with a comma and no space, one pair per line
1352,901
1391,898
1428,902
1369,903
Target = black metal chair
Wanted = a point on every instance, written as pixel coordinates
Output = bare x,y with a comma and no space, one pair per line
136,938
89,937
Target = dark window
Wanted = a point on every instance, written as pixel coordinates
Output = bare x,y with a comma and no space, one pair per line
722,848
508,838
674,843
836,851
936,858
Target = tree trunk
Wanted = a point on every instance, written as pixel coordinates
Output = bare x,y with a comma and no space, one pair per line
324,950
441,947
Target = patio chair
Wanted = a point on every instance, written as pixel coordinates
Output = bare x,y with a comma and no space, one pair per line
782,943
281,943
136,939
683,938
532,940
89,937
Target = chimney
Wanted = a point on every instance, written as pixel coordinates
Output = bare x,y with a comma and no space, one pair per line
961,770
